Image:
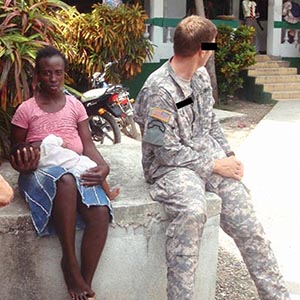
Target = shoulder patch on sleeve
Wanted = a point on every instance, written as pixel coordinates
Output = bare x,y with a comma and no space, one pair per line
154,133
160,114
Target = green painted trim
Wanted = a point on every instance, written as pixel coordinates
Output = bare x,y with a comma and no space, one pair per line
284,24
135,84
294,62
231,23
172,22
253,92
163,22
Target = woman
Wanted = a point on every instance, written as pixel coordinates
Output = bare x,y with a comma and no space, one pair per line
59,202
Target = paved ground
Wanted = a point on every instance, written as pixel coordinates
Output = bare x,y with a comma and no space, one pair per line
271,157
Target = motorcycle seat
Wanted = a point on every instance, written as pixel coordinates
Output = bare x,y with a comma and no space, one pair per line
93,94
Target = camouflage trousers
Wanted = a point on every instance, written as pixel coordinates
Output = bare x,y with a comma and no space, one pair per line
183,195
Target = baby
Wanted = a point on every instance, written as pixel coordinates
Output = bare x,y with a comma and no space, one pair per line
53,153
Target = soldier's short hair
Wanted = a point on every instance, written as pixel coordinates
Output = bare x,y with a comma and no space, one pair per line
190,33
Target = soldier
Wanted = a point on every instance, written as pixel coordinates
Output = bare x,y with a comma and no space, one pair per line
186,153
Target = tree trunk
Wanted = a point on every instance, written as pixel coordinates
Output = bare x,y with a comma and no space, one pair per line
210,66
211,62
199,7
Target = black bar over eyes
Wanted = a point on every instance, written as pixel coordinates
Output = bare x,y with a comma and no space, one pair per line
209,46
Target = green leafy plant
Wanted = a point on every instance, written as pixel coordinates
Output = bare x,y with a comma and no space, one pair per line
235,53
106,34
25,26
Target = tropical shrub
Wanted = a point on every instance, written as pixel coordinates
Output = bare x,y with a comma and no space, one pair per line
25,26
106,34
235,53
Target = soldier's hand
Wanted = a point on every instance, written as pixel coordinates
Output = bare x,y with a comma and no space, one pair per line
229,167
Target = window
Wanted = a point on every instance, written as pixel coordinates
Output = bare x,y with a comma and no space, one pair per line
212,8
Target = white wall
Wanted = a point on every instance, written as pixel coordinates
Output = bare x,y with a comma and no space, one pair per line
174,8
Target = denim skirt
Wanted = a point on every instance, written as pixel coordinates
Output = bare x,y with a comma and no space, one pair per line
39,190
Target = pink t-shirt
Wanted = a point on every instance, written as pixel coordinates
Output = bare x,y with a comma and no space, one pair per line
62,123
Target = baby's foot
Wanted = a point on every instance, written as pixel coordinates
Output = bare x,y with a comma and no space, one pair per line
114,194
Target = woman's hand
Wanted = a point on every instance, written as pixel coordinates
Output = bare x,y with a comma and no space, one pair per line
26,161
95,176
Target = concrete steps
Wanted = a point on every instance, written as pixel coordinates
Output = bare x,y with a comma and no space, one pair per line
286,95
277,79
283,87
272,71
271,64
271,79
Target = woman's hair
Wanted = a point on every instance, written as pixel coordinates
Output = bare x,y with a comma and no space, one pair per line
190,33
48,52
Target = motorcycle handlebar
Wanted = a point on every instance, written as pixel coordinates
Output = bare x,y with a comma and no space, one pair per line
97,75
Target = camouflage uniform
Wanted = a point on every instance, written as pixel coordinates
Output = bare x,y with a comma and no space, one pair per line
181,139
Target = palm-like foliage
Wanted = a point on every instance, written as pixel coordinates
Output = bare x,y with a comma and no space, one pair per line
106,35
25,26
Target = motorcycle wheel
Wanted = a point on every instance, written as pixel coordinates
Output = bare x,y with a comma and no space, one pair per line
128,127
105,129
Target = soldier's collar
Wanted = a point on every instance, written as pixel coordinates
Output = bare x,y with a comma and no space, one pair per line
184,85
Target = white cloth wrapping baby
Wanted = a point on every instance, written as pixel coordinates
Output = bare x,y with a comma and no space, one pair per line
54,154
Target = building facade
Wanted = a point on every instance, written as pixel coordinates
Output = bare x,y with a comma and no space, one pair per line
275,36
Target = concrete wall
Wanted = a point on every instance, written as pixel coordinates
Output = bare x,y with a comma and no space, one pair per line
132,266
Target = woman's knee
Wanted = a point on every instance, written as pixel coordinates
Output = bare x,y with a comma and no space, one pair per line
66,192
67,181
95,216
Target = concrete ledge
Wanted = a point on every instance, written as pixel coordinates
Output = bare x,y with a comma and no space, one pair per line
132,266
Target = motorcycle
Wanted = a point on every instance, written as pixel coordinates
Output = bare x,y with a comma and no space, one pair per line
122,100
102,112
109,109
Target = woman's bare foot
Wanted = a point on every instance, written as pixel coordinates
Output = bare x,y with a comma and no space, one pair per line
77,287
114,194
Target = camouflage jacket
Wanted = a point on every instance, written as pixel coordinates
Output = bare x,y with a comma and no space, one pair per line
178,125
